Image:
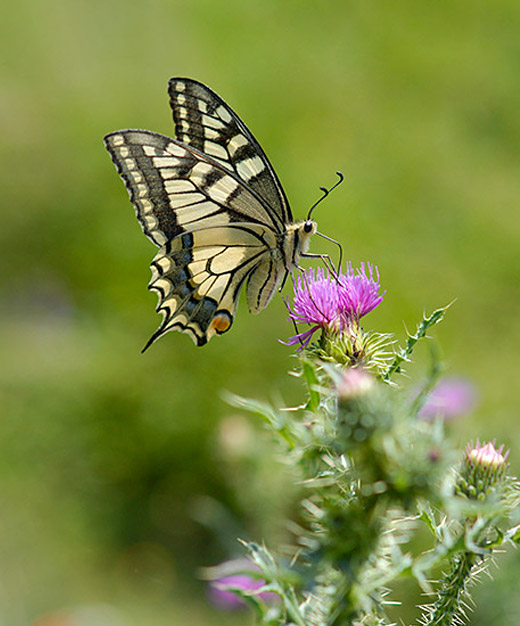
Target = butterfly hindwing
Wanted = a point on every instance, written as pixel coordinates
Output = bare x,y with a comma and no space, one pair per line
213,231
203,120
198,277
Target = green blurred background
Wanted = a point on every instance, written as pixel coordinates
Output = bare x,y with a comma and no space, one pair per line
121,474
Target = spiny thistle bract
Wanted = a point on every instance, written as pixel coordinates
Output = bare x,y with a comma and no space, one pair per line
370,472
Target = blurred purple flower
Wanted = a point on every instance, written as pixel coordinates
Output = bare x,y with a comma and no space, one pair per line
324,301
237,574
451,398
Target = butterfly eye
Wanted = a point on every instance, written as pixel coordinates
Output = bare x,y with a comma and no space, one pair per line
307,227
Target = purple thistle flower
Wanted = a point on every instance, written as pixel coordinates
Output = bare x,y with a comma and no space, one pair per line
329,302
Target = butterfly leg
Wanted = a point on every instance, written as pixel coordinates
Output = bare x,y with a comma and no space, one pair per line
327,261
284,279
337,243
296,329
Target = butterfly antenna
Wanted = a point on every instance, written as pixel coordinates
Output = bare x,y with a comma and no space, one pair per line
325,194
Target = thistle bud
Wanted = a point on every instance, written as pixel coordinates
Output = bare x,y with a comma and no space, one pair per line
354,383
482,470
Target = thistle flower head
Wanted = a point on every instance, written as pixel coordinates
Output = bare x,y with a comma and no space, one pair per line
315,302
333,302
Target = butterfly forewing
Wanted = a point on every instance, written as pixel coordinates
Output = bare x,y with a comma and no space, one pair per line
175,188
203,120
213,231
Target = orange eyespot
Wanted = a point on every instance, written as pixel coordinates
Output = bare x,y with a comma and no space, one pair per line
221,322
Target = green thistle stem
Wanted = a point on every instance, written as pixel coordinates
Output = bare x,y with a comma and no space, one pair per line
449,608
404,353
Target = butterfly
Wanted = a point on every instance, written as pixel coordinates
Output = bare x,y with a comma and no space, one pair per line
212,202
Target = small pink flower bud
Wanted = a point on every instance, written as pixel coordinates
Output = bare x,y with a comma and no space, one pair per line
354,382
486,455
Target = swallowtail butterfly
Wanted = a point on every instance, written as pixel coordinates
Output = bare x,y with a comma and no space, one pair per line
212,202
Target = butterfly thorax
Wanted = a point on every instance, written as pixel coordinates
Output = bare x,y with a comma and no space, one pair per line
296,241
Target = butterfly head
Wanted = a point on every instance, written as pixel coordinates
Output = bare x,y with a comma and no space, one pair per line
305,229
